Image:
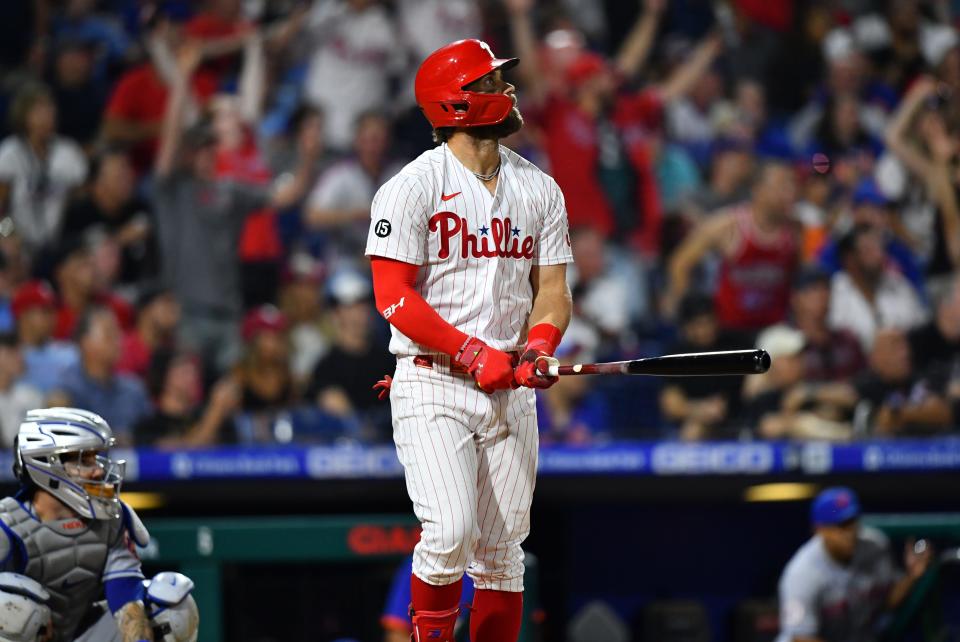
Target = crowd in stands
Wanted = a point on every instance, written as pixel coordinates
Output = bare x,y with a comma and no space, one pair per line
185,192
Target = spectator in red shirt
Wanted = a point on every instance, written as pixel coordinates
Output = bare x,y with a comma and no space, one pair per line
758,245
601,141
158,314
75,279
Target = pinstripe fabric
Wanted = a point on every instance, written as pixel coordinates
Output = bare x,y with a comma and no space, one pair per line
469,458
469,462
486,297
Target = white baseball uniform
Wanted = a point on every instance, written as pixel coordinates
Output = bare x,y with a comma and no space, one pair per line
469,458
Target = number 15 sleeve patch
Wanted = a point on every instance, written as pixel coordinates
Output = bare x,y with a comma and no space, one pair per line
398,221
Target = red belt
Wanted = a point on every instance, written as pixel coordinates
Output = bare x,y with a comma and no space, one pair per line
427,361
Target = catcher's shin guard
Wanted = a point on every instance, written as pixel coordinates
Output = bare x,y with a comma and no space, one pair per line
435,626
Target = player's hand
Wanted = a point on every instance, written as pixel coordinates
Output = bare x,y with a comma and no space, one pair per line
916,557
530,372
492,369
383,387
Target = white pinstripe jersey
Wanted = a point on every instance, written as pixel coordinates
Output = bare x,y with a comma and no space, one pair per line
475,249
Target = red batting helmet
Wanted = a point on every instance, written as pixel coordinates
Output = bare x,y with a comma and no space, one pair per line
442,76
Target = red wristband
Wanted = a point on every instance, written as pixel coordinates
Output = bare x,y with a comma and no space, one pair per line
547,333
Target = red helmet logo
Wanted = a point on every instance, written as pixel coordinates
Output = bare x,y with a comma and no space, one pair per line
440,82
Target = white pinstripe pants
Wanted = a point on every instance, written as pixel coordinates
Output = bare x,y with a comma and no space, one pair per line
470,462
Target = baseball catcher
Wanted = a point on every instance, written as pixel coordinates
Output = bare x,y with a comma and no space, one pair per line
70,568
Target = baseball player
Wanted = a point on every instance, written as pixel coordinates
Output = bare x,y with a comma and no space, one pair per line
837,585
469,246
67,539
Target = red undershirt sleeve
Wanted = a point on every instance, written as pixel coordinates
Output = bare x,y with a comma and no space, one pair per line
403,307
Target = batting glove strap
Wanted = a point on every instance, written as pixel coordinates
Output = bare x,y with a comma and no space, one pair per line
492,369
469,351
545,337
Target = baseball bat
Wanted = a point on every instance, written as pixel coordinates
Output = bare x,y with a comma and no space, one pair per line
702,364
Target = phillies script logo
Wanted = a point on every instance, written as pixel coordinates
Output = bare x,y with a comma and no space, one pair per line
367,539
500,239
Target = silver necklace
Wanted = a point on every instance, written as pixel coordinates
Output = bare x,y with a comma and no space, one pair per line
486,178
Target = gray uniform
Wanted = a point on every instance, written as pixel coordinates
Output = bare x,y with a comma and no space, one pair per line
71,558
820,598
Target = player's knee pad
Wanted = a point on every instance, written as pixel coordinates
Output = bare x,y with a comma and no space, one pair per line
24,614
435,626
173,612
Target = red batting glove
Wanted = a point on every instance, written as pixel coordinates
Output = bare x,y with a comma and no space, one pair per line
492,369
542,341
383,387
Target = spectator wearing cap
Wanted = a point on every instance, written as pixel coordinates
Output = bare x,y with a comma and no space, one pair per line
95,385
301,302
701,407
16,396
199,221
782,404
78,94
38,168
600,140
264,376
759,250
870,207
180,420
340,201
158,314
868,294
841,582
899,395
572,411
829,354
341,381
111,206
45,359
75,276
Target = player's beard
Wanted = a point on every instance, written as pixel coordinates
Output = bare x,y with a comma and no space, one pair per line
508,126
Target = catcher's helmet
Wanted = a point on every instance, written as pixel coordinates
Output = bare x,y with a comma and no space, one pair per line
49,452
442,76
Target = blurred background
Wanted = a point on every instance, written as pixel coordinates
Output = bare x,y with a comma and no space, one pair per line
782,174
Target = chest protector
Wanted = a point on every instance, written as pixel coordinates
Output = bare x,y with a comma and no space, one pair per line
67,557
